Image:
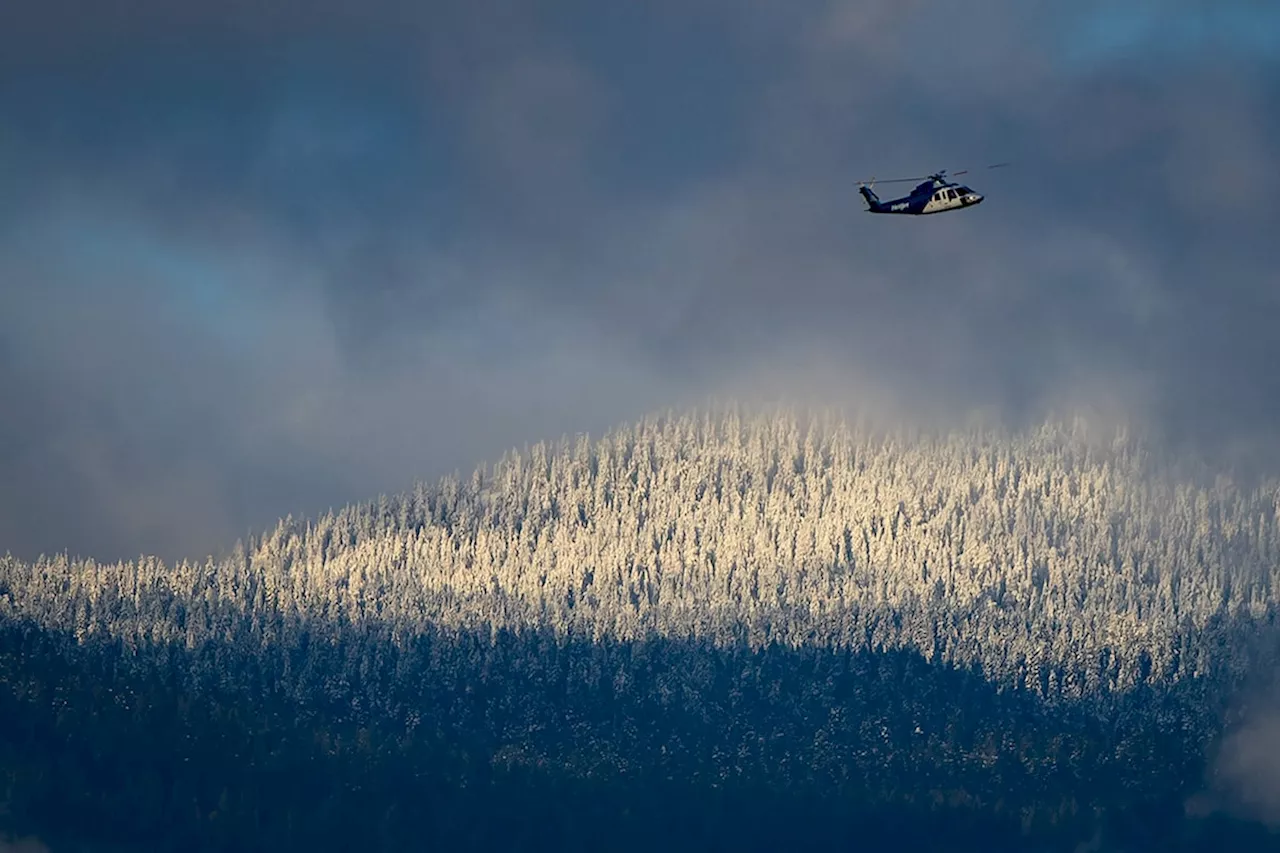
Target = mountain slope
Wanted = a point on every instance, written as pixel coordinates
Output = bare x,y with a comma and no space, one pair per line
1052,561
1023,625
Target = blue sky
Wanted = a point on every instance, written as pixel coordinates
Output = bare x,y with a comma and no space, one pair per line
1108,32
255,260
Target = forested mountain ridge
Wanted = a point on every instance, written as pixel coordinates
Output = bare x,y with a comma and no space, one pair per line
1052,560
768,598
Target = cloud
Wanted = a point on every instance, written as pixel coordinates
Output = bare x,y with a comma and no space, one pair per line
1250,766
260,260
29,844
1243,778
186,385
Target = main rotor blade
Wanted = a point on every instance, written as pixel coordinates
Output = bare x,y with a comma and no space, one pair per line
943,174
897,180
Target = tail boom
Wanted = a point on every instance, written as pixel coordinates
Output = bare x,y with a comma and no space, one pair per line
874,205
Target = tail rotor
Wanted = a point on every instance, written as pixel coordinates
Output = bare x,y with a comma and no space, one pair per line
966,171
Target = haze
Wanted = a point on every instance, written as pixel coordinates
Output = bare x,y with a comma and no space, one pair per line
257,258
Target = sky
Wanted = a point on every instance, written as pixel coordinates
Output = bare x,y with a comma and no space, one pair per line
271,257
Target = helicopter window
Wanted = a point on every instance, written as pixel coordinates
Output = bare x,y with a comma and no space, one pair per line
965,191
951,194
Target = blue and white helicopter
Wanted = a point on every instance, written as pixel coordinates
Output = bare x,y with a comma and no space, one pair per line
935,194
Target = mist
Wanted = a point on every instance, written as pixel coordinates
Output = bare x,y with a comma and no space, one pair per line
257,262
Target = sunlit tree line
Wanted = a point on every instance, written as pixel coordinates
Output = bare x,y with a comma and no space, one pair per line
1061,562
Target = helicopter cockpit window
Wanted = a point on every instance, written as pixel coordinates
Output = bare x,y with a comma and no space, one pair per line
964,191
951,194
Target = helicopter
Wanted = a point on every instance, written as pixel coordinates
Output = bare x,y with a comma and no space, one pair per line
935,194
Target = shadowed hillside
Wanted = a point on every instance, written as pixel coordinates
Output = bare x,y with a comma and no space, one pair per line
768,630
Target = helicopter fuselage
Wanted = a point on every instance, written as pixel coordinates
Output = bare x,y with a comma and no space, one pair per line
929,197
